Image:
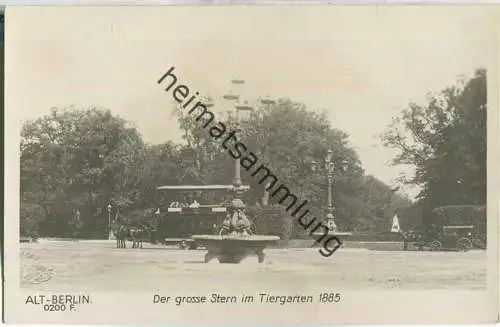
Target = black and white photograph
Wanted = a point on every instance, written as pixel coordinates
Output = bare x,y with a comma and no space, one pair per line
251,164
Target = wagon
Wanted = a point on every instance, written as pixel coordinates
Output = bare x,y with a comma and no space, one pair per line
451,238
177,225
456,238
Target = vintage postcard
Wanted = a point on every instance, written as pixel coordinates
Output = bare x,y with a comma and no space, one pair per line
251,164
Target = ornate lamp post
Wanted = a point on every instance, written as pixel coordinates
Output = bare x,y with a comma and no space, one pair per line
329,168
238,190
110,231
265,200
268,102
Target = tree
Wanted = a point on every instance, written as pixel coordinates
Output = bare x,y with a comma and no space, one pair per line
286,137
445,140
162,164
77,159
74,162
202,156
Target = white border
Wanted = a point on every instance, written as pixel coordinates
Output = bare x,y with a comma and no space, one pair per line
359,307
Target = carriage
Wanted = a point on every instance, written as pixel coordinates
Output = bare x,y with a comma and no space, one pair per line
176,223
450,238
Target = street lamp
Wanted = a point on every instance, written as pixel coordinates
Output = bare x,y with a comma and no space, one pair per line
268,102
329,168
231,97
239,107
208,102
110,235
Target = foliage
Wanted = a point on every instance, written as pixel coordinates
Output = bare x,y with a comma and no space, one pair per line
271,220
31,215
445,140
462,215
411,217
78,159
287,138
86,159
449,132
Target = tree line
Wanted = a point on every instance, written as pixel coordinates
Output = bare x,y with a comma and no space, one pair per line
77,161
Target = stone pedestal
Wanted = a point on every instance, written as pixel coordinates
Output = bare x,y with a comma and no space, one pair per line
233,249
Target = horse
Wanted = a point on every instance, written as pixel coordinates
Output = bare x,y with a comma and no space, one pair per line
137,236
121,234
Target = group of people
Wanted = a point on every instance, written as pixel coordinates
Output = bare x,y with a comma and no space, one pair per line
176,204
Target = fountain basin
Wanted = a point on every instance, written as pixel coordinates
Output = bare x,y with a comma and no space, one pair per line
234,248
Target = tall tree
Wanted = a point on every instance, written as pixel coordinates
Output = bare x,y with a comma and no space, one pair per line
78,159
288,138
445,140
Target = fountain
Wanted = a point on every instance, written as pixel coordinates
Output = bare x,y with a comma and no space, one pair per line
235,239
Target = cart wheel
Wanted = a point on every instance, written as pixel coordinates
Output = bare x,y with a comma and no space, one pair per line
183,245
464,244
209,256
418,245
435,246
260,256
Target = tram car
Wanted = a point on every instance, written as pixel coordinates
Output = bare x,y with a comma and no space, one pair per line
176,225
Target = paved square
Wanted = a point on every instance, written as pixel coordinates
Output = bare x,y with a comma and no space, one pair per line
100,267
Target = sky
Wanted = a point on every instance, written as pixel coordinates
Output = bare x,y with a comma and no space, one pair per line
362,64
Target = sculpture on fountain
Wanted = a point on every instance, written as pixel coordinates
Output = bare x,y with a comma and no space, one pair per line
236,221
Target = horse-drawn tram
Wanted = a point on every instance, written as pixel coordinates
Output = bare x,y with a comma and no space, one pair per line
176,223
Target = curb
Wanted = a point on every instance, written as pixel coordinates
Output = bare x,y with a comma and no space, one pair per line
54,240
